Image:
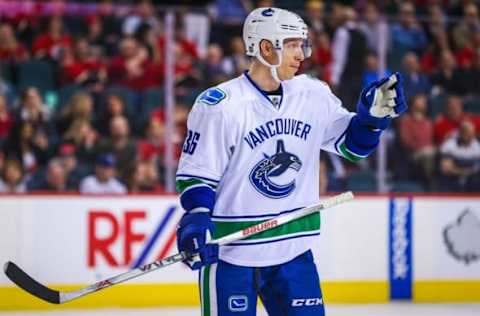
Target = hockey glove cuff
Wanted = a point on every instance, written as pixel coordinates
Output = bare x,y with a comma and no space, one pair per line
193,234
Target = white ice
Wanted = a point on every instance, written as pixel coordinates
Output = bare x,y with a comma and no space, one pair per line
394,309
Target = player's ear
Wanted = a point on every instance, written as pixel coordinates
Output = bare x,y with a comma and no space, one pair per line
268,52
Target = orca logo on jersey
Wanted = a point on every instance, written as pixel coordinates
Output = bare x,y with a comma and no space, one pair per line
274,166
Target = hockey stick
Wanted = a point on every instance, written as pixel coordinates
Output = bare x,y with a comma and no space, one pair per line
27,283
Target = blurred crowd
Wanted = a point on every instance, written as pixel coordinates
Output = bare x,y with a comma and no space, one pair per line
82,97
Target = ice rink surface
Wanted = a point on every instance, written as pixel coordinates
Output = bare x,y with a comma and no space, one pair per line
395,309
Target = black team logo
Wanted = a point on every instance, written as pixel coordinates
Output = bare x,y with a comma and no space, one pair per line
462,237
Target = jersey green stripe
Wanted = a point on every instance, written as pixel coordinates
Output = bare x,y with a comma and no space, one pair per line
206,291
304,224
182,185
348,154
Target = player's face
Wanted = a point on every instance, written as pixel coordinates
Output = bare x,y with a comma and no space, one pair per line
293,55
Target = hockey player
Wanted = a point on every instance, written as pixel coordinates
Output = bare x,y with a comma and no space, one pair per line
252,153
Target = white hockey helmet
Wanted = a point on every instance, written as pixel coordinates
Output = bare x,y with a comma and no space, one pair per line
275,25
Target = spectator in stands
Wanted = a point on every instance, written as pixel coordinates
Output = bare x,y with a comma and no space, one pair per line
30,145
84,137
460,162
144,13
322,57
227,19
120,144
349,49
416,137
6,119
436,31
52,43
465,57
12,180
80,106
7,89
103,181
144,176
186,56
314,14
83,67
11,51
237,58
115,106
74,169
376,31
466,29
406,36
449,79
372,69
55,179
449,121
415,82
216,68
31,108
132,68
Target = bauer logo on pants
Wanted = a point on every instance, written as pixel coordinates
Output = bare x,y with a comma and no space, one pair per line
238,303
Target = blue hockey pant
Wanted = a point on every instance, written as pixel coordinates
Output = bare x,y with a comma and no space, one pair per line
289,289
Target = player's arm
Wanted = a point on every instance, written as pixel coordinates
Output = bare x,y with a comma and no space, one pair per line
205,156
378,103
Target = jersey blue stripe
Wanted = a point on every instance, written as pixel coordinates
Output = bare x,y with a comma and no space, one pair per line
194,176
270,241
256,216
202,196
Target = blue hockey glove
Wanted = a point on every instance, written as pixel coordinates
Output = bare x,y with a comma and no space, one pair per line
381,101
193,234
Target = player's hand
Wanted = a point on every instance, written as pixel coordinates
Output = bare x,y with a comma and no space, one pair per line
381,101
193,234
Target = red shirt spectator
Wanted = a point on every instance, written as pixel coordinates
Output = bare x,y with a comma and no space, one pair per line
185,56
53,41
323,57
449,122
416,129
133,68
82,66
6,119
10,48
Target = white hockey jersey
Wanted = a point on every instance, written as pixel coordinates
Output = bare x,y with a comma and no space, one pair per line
263,161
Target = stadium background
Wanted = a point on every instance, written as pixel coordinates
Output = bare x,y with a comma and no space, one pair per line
85,93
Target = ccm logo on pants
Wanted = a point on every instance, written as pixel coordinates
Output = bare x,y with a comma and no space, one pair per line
296,302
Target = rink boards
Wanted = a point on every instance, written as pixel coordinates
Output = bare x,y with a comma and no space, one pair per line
374,249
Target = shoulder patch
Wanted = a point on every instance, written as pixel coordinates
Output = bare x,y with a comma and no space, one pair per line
212,96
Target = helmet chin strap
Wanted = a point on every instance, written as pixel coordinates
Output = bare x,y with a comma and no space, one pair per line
273,68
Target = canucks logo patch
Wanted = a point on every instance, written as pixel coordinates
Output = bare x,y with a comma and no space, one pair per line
269,173
268,12
212,96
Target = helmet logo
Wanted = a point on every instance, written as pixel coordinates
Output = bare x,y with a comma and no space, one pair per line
268,12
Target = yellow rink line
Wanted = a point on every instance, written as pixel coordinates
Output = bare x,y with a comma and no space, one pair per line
458,291
152,295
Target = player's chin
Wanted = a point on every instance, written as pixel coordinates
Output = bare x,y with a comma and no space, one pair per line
290,74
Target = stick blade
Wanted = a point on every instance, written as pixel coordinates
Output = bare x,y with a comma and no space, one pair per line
27,283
